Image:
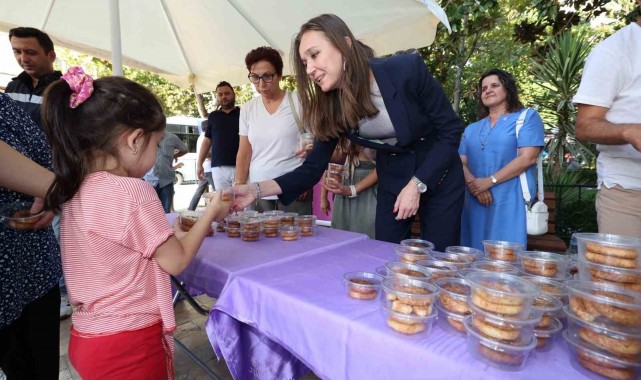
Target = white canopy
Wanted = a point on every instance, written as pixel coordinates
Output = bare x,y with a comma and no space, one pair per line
202,42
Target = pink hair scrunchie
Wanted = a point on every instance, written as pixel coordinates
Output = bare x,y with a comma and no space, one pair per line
80,83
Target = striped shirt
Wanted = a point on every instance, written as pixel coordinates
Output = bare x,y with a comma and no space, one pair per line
109,232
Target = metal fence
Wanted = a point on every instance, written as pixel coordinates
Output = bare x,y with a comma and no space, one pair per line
575,210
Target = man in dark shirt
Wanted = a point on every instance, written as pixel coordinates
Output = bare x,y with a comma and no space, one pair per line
222,137
33,50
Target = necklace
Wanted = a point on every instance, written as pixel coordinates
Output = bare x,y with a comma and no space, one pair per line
484,141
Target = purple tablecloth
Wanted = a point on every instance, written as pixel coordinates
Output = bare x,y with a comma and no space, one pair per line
220,258
277,323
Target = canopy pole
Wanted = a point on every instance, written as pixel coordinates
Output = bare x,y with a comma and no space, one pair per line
116,46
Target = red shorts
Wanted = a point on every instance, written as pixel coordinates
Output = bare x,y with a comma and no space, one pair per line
132,355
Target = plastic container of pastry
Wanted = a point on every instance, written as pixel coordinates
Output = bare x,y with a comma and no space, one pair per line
271,225
453,294
418,243
502,293
289,233
547,336
550,308
546,264
495,266
449,321
629,279
410,297
503,327
612,250
603,303
615,341
502,250
438,269
550,287
18,216
307,224
460,261
409,324
408,254
511,356
475,254
233,221
362,285
288,218
591,361
407,271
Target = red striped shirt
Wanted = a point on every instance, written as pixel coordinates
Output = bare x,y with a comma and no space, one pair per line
109,233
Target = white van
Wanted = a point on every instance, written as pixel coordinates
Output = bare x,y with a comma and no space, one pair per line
188,130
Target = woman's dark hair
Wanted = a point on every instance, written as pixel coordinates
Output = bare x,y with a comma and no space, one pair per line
265,53
511,90
331,113
78,136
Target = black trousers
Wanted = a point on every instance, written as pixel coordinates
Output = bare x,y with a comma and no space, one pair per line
440,213
30,346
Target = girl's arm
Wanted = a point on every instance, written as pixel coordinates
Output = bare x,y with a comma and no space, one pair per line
324,206
175,254
243,158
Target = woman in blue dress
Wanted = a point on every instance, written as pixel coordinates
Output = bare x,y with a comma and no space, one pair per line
493,158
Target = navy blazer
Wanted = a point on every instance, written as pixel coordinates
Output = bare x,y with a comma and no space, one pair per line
427,129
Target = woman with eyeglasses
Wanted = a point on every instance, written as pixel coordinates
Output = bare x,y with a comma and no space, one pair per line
269,131
390,104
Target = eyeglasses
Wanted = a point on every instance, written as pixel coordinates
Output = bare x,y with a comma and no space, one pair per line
255,79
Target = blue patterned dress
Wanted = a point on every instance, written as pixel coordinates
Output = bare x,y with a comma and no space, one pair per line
29,259
504,219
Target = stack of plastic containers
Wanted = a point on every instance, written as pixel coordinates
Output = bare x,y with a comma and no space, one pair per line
500,330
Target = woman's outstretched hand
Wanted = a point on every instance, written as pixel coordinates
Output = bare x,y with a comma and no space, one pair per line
245,195
407,202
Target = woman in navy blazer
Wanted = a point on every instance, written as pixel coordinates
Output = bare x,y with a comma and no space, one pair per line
392,105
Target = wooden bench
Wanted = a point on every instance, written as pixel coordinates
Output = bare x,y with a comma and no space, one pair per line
548,242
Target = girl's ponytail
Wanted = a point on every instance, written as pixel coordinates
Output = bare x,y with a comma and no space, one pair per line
60,123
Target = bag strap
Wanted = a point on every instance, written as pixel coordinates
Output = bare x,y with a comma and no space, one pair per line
523,177
293,107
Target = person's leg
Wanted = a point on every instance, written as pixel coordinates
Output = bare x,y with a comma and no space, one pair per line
166,195
619,211
440,214
31,344
210,180
223,176
263,205
195,199
299,207
387,227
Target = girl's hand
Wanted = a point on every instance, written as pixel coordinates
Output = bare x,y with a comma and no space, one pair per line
480,185
301,153
217,208
47,217
245,195
485,198
407,202
324,206
337,188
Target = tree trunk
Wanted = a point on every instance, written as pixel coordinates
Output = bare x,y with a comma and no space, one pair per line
201,105
457,87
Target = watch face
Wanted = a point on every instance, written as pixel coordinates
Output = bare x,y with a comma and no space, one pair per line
422,188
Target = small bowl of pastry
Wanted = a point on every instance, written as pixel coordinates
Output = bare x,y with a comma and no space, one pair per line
546,264
18,215
589,359
502,250
611,250
362,285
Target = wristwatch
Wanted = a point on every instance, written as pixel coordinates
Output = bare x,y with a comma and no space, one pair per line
494,180
421,186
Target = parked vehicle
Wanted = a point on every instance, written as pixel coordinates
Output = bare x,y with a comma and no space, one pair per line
188,130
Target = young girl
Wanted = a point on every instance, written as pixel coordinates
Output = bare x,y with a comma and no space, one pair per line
117,246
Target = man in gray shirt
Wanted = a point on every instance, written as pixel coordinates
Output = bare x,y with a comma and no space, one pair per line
161,176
